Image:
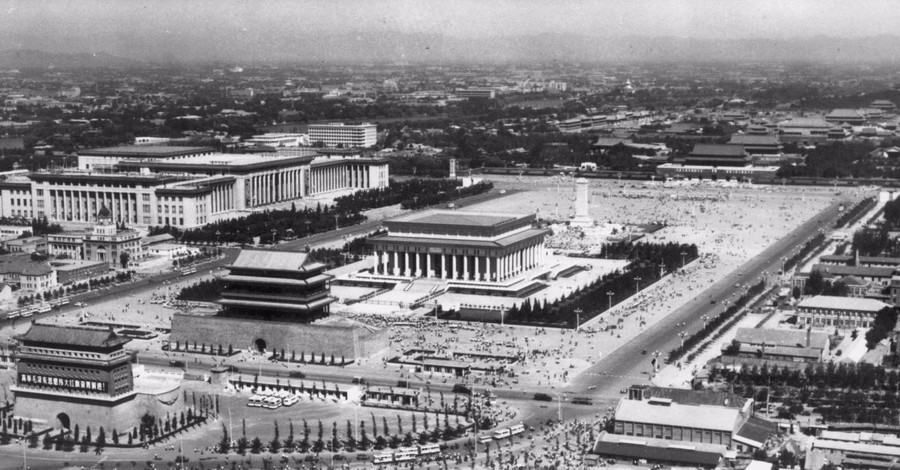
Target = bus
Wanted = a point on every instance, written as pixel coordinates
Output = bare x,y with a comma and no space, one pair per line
406,454
517,429
256,400
485,439
289,400
44,308
502,433
429,449
272,403
382,458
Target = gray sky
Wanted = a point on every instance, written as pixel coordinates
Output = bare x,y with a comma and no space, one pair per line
194,27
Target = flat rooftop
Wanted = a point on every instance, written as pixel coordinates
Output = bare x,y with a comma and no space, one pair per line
475,219
240,163
148,151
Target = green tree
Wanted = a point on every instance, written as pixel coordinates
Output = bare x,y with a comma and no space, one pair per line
885,321
225,441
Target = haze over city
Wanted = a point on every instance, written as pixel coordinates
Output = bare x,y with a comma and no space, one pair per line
464,30
493,235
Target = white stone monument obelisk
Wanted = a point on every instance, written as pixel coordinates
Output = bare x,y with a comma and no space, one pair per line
582,218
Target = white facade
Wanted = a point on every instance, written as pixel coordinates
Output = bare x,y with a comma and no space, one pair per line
345,135
186,192
279,140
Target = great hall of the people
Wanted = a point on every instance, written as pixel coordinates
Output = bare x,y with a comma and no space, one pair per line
182,187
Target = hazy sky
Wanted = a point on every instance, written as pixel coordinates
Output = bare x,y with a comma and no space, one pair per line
163,27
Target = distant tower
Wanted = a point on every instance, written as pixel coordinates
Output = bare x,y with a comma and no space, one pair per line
452,168
582,218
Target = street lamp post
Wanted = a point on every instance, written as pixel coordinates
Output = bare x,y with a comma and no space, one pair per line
637,285
683,254
683,335
577,318
609,295
558,406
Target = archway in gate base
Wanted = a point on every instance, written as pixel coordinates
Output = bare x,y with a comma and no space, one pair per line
64,421
260,345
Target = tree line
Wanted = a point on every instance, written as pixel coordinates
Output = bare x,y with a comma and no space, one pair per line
648,263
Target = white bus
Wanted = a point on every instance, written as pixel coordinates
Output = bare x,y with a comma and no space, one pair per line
502,433
272,403
429,449
256,400
485,439
517,429
289,400
384,457
406,454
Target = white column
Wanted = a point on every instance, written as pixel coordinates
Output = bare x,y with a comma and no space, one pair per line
406,270
396,264
418,262
465,259
455,273
377,262
477,275
428,265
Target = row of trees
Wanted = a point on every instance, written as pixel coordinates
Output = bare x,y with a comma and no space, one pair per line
829,376
206,290
272,226
715,322
351,251
352,439
649,262
850,216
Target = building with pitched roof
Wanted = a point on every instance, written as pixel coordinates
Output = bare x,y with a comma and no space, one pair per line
717,155
276,285
277,300
764,144
850,116
779,345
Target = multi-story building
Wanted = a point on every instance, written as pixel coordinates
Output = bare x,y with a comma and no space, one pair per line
274,300
73,374
106,158
185,191
838,312
275,285
343,135
30,276
110,244
62,359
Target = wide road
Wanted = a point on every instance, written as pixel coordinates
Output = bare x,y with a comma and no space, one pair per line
628,365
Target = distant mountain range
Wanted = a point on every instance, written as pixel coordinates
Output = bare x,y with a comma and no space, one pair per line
396,47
